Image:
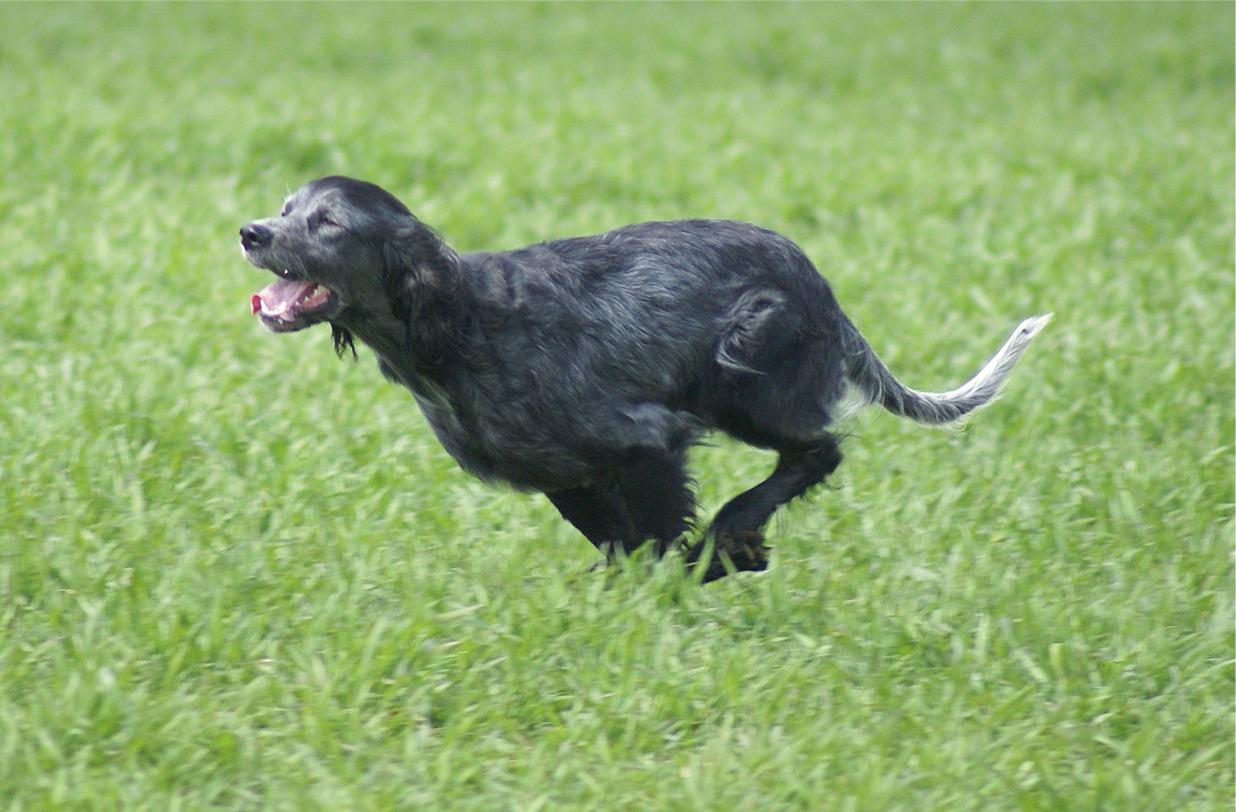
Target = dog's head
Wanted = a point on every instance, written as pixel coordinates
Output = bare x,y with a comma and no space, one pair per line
345,251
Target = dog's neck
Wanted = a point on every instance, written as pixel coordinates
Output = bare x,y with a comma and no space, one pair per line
400,359
386,335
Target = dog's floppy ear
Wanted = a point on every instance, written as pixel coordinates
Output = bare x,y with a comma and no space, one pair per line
422,273
417,262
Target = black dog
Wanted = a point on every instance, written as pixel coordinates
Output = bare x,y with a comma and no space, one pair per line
584,368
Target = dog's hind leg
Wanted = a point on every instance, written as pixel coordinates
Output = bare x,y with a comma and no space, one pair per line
737,531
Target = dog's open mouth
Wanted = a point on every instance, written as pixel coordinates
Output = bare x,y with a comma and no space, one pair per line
287,304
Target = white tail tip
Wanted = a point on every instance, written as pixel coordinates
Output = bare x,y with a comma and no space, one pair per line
1029,328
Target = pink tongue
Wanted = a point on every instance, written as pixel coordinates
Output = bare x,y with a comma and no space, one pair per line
278,297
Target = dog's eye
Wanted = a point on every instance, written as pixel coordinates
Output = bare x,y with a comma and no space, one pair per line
321,218
287,207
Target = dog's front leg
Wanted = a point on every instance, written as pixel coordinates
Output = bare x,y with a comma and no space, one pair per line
598,511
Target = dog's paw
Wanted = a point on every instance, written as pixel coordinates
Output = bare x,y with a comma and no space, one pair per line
747,551
743,551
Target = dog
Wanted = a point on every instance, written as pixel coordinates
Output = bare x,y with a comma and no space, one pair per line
585,368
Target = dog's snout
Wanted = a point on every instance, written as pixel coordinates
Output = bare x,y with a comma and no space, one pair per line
254,236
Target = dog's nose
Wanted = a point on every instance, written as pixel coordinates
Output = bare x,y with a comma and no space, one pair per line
254,236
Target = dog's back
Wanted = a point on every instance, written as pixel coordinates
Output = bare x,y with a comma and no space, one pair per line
650,304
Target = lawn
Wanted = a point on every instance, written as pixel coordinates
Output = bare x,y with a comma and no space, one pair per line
238,573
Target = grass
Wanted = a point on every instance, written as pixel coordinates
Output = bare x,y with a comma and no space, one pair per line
237,573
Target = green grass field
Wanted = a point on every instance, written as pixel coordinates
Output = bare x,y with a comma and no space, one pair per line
238,573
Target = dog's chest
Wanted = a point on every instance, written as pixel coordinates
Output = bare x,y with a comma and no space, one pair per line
489,445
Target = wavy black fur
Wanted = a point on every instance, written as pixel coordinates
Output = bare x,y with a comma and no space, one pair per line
584,368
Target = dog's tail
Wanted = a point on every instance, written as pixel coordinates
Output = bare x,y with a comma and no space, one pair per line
875,384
